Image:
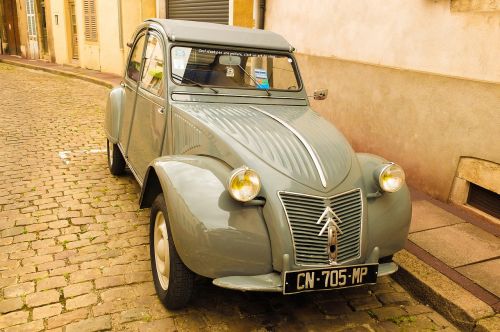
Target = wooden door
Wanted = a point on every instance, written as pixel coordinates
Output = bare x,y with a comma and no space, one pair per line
32,30
73,29
10,13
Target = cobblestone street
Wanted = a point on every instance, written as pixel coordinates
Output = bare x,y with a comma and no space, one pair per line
74,252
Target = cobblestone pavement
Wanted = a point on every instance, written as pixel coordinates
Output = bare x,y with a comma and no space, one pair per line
74,246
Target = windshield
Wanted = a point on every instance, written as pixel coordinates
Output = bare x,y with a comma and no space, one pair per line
233,69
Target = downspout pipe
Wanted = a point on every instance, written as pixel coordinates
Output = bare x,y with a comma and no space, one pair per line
262,13
259,10
120,24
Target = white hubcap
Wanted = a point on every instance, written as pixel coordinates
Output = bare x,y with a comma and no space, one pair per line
110,149
162,254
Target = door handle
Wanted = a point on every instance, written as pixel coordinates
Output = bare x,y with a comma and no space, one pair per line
161,110
122,84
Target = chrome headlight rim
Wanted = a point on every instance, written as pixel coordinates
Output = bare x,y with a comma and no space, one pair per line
383,170
237,172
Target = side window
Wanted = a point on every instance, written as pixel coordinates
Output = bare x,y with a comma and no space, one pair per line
152,76
134,64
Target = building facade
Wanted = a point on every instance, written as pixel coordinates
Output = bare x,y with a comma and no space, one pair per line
24,28
93,34
415,81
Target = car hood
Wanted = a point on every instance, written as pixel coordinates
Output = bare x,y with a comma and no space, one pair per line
294,140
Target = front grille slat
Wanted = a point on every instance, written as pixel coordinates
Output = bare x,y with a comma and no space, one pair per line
304,211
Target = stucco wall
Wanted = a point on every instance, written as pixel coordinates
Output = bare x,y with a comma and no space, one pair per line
110,50
408,79
242,14
417,34
422,121
60,35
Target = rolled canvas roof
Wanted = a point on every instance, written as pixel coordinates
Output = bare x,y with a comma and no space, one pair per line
219,34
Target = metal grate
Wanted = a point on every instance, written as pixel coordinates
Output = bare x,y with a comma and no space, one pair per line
213,11
484,200
303,211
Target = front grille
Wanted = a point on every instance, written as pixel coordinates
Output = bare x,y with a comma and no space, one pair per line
304,211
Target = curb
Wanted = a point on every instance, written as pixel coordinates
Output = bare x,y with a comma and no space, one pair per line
61,72
445,296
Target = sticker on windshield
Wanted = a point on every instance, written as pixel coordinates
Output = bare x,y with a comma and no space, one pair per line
179,64
179,52
261,78
229,72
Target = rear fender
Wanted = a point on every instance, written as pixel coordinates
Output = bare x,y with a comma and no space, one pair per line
214,235
113,115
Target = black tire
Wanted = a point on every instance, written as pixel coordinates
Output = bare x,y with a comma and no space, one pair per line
180,283
116,162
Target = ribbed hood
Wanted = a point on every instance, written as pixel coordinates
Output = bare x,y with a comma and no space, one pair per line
294,140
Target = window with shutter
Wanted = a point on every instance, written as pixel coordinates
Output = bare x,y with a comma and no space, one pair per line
90,19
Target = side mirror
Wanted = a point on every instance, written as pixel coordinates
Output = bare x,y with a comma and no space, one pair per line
320,94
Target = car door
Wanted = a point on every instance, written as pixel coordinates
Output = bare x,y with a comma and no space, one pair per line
130,82
149,122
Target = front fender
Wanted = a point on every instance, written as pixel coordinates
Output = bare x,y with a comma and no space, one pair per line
214,235
113,114
389,215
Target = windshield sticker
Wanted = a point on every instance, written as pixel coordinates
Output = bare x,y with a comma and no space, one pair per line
261,78
179,52
242,54
179,64
229,72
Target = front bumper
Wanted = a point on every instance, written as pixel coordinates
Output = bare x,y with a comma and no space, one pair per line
273,282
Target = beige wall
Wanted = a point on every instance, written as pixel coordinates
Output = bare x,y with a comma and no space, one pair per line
422,35
110,50
422,121
60,34
242,13
408,80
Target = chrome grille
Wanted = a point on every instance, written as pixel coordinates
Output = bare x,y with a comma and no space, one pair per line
303,212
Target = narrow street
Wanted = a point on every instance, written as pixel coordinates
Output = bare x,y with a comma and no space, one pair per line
74,252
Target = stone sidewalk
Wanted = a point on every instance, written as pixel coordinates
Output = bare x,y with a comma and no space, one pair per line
74,246
93,76
452,259
468,246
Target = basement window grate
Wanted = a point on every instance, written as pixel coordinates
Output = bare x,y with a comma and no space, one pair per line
484,200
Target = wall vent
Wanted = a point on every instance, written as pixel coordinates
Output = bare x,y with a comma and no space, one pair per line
484,200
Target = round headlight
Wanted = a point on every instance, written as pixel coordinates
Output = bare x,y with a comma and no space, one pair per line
244,184
391,177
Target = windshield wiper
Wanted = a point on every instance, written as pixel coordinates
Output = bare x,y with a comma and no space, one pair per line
180,78
254,80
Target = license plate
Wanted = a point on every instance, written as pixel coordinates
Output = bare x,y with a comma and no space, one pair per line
329,278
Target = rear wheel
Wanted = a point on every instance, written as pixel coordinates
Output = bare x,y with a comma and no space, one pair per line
116,162
173,281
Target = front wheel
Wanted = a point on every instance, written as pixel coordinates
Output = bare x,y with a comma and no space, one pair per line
116,162
173,281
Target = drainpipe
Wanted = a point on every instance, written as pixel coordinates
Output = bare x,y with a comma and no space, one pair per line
120,24
261,13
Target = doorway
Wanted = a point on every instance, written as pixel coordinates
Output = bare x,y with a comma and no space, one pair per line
73,29
32,30
43,27
13,45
